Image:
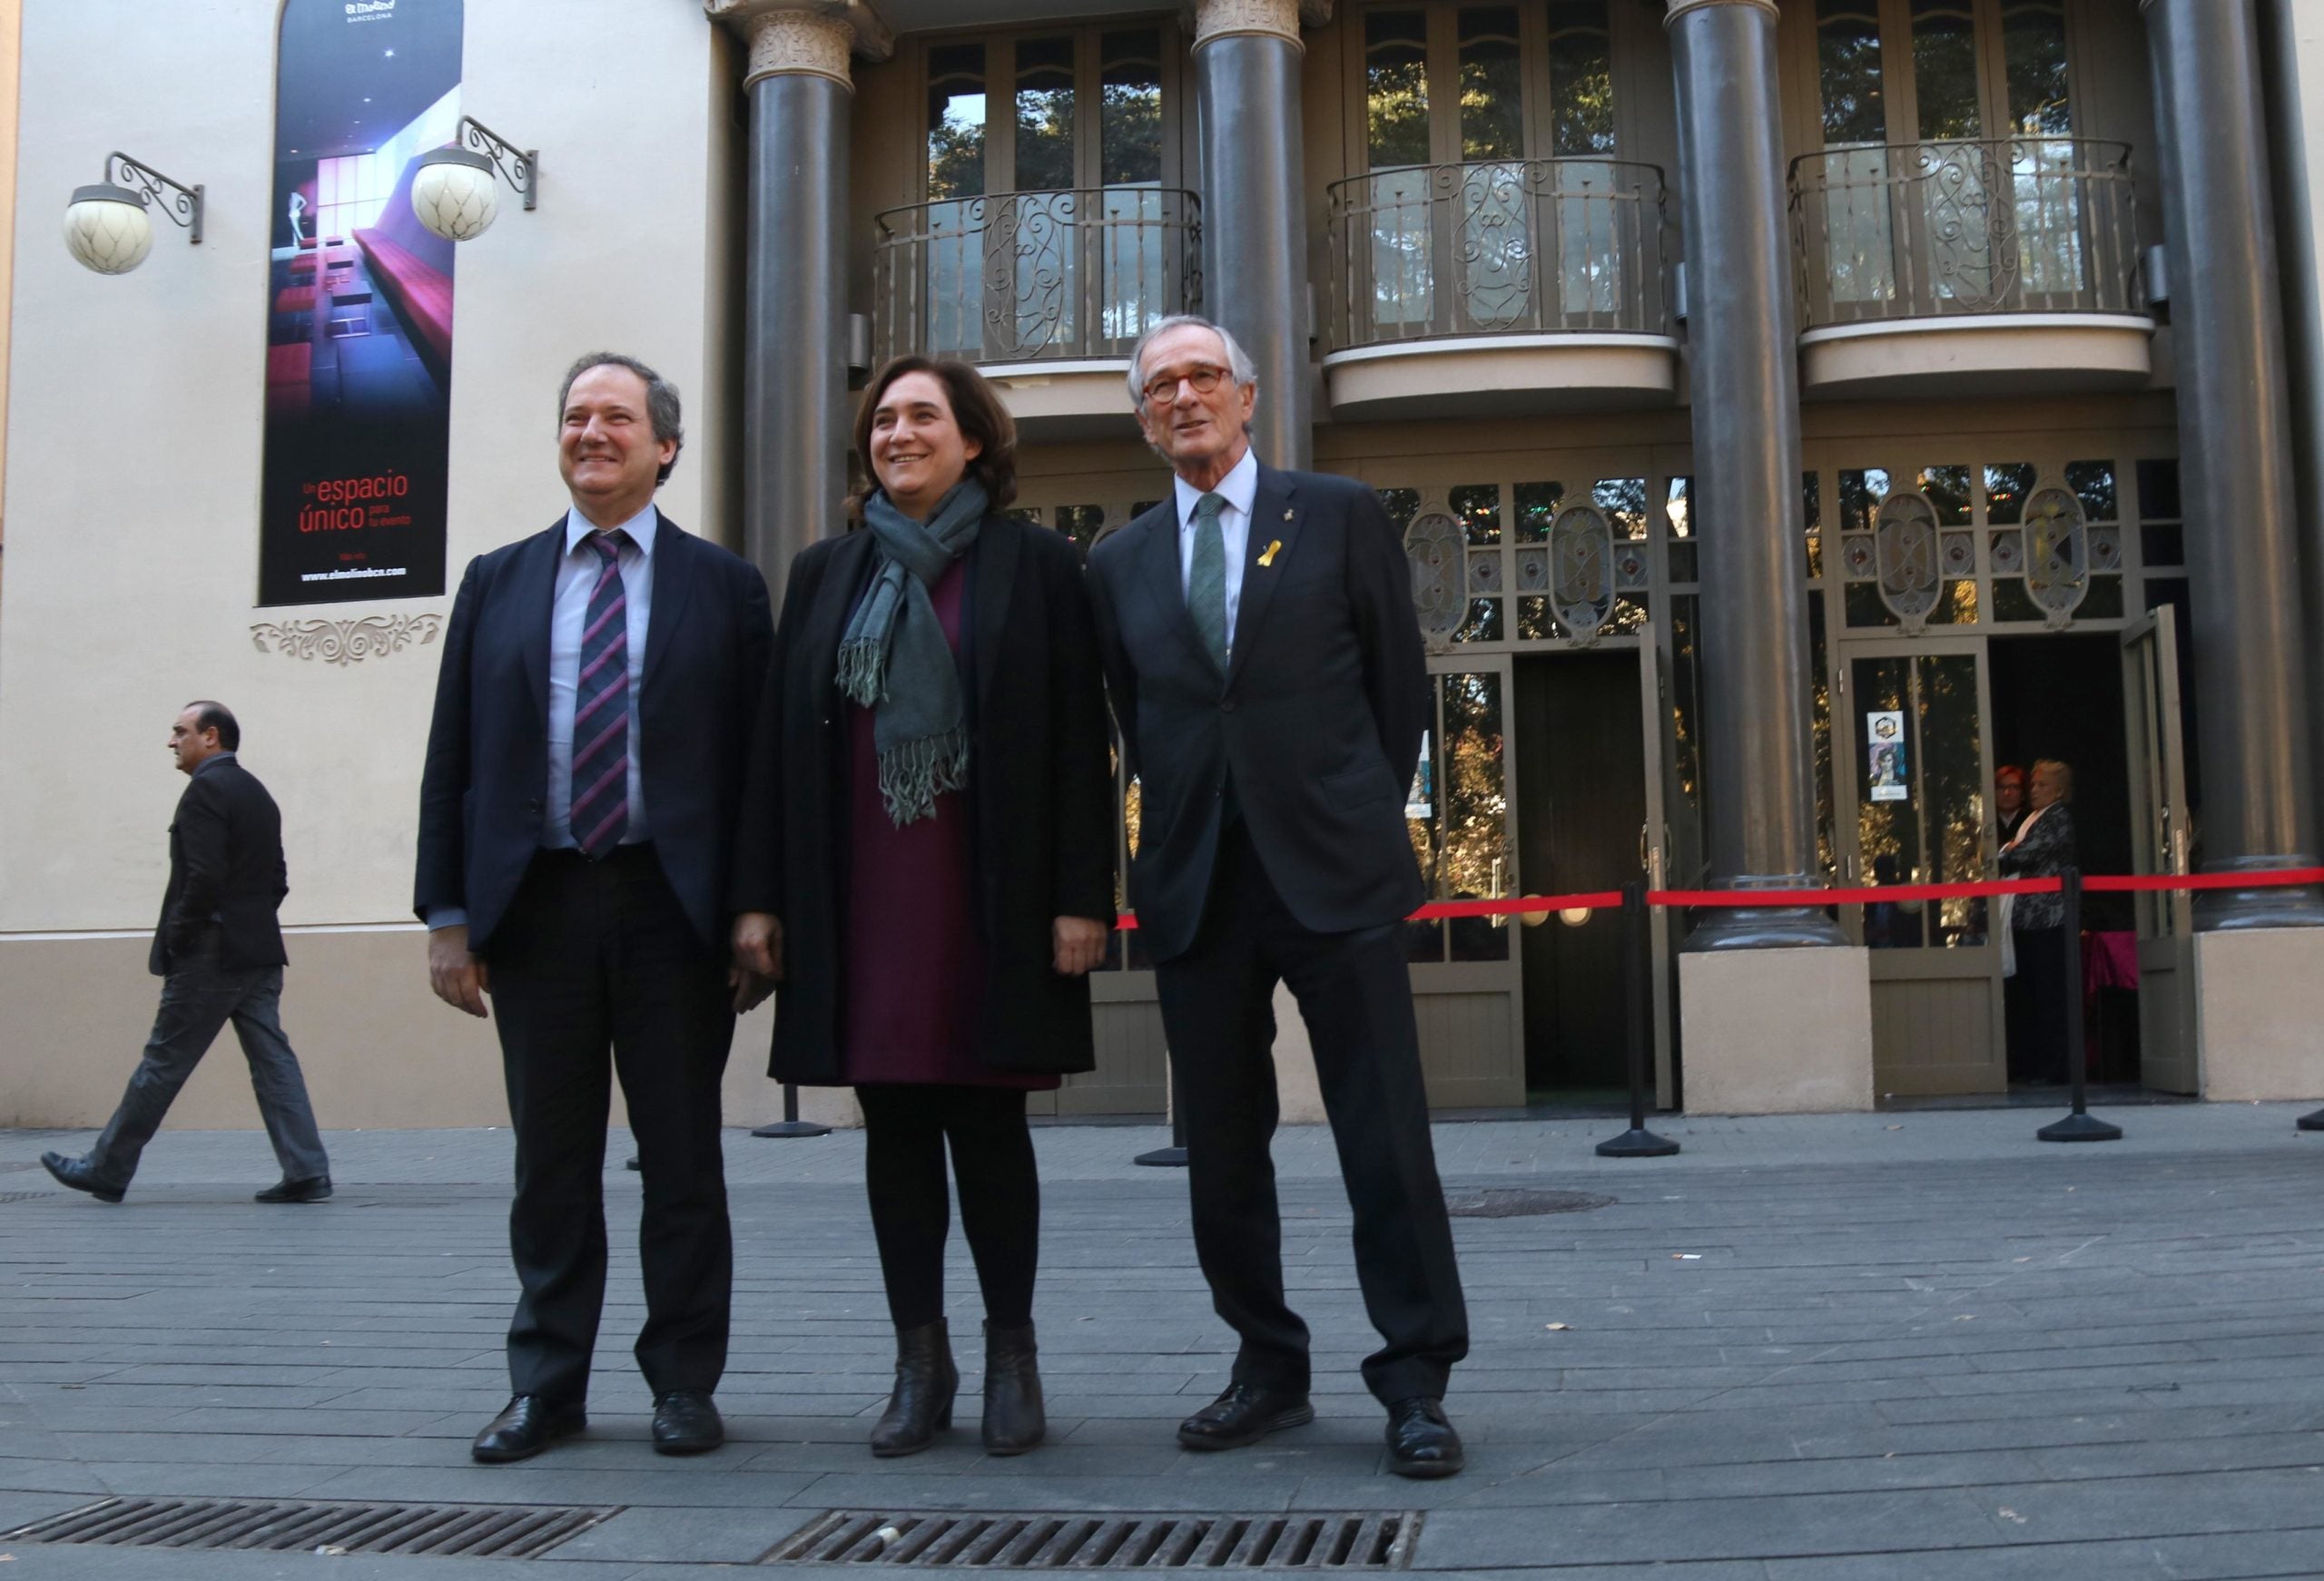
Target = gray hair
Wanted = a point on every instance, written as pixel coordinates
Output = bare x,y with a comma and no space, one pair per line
1238,361
661,400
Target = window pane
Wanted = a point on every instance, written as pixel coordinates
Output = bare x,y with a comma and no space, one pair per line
1395,87
1848,56
1129,108
1493,101
1044,114
1475,864
2034,45
1581,79
1944,69
956,121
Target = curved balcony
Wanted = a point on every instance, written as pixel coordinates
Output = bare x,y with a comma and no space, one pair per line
1045,291
1500,287
2002,265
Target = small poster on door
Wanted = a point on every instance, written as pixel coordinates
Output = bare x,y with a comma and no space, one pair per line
1884,766
1420,798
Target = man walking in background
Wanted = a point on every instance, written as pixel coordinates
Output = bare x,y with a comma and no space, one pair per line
219,954
577,815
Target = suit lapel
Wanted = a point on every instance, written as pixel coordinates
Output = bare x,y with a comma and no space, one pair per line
1157,573
536,591
998,542
674,580
1275,520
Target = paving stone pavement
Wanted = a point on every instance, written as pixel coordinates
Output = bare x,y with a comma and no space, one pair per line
1807,1348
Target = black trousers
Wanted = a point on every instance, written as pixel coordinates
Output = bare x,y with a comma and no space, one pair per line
905,1129
1355,993
2034,1007
595,972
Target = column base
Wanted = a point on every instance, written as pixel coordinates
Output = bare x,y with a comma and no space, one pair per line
1777,1031
1765,927
2259,1000
2281,906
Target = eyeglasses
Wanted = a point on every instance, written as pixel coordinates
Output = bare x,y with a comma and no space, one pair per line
1164,387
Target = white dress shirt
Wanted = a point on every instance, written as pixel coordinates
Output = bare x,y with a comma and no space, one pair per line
1238,488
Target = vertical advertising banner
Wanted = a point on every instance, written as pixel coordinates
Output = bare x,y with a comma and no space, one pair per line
358,339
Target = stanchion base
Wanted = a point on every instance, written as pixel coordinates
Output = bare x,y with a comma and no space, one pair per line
790,1128
1637,1144
2080,1128
2311,1122
1162,1158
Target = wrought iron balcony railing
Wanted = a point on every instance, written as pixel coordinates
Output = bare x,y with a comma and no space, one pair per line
1501,247
1022,277
1999,225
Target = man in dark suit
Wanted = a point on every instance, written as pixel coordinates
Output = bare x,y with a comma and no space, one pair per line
575,819
218,951
1269,681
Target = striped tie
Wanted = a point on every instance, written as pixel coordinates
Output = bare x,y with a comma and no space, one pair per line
600,811
1206,578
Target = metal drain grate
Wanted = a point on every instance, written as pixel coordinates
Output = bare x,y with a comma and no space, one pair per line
27,1197
1377,1541
1518,1201
477,1531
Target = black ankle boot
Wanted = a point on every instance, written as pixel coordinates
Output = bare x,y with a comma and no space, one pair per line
922,1404
1013,1419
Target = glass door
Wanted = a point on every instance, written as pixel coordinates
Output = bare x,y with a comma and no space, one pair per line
2159,841
1911,776
1654,853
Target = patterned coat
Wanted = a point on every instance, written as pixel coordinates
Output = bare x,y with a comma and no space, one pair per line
2044,853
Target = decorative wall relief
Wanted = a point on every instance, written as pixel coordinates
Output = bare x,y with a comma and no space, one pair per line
348,642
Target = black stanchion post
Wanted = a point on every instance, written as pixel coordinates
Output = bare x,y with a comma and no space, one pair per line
2314,1121
2077,1126
1637,1142
1175,1156
791,1124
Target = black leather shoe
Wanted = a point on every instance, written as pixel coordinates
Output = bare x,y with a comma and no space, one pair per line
921,1405
527,1426
686,1423
1014,1418
1244,1414
75,1172
1420,1440
313,1189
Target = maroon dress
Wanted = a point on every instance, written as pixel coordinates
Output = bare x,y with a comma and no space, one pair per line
913,965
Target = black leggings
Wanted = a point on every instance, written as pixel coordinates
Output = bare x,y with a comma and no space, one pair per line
904,1132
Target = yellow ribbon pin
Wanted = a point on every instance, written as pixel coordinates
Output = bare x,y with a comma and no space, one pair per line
1267,561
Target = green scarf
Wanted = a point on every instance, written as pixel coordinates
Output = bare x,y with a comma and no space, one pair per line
895,657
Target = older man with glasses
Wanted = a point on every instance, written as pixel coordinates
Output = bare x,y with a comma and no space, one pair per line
1269,677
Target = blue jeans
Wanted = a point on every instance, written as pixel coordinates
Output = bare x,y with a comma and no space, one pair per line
198,998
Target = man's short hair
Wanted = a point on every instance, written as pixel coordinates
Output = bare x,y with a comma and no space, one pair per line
217,716
660,401
1238,361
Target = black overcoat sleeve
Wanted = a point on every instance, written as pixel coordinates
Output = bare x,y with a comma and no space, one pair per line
444,777
1083,782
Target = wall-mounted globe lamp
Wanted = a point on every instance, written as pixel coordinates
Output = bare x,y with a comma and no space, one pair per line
108,227
453,192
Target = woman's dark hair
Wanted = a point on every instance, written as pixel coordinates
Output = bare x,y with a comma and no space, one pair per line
977,410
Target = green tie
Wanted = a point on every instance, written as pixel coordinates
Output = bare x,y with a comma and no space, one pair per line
1206,585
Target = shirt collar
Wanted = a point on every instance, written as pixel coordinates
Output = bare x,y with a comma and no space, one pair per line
640,528
203,767
1238,488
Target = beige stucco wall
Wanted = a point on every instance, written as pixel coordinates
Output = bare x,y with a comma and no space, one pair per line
133,540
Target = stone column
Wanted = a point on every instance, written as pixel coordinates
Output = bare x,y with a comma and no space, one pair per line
1246,56
1756,714
795,289
2235,469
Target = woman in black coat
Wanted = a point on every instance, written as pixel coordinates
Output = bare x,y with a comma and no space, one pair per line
2033,1000
925,862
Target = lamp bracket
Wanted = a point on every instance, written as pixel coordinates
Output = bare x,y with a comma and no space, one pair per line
180,202
522,167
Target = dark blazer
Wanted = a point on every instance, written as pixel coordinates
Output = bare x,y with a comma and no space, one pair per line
1318,718
482,790
1041,808
2046,851
226,871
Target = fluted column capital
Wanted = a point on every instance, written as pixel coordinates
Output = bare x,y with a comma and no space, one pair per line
1678,8
1216,19
804,38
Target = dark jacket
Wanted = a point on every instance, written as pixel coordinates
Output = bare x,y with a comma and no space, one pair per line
1040,810
2047,851
226,872
1318,718
482,790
